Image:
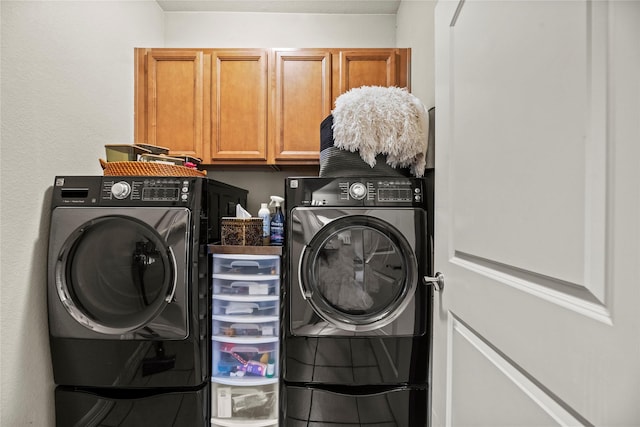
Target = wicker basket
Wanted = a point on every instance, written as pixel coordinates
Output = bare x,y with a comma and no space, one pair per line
147,169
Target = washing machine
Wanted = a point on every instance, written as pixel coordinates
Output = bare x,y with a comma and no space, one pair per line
356,312
128,300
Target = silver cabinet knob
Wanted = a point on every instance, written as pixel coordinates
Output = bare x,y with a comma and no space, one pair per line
437,282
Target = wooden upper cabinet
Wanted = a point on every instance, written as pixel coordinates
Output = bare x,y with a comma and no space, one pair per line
372,67
239,90
171,101
251,106
302,99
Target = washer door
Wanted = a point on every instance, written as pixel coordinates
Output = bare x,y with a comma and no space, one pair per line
358,272
115,274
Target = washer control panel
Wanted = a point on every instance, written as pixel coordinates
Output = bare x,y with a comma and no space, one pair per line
126,191
356,191
146,189
382,190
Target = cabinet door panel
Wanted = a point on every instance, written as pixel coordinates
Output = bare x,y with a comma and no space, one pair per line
368,68
175,100
239,105
302,101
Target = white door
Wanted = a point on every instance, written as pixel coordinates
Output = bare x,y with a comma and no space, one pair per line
537,213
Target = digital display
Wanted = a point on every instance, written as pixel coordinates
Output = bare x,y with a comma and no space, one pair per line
160,194
395,195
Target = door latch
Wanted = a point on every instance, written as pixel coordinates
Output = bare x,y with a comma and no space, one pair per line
437,282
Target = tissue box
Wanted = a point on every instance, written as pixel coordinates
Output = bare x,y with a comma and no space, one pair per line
242,231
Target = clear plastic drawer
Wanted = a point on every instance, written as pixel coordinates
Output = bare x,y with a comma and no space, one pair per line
254,285
250,405
241,359
243,307
233,326
246,264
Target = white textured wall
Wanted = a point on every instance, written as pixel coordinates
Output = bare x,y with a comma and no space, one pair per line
67,89
415,29
229,29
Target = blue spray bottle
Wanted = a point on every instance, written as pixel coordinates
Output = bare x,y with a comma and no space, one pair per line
277,222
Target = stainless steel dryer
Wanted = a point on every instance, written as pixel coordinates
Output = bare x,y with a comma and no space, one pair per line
356,314
128,300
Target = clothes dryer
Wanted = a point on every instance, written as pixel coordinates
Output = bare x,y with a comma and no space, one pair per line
356,313
128,300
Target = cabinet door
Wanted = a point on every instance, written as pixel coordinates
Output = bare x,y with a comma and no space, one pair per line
174,100
239,106
373,67
302,100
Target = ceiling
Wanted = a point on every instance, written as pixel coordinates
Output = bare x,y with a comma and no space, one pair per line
283,6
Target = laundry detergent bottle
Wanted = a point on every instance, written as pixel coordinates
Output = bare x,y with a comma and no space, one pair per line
277,222
265,214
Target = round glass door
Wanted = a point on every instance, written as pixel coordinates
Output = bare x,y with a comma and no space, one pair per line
114,274
358,273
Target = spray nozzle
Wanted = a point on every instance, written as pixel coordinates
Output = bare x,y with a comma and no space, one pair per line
276,201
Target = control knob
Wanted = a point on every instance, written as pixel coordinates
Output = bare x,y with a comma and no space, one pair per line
121,190
358,190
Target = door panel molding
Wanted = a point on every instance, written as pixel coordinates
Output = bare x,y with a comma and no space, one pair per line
582,286
598,150
569,295
480,349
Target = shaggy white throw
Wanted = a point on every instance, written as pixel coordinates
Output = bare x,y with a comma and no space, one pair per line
383,120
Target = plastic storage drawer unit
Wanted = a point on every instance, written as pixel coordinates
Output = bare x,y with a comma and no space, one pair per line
245,342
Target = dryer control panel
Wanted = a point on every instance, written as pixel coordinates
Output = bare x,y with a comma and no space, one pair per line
147,189
355,191
125,191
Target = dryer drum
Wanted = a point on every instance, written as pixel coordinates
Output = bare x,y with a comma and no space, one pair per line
115,274
358,272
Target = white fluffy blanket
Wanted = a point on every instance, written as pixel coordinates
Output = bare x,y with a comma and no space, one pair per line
383,120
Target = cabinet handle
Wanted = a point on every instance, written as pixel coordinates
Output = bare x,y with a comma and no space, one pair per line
437,282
